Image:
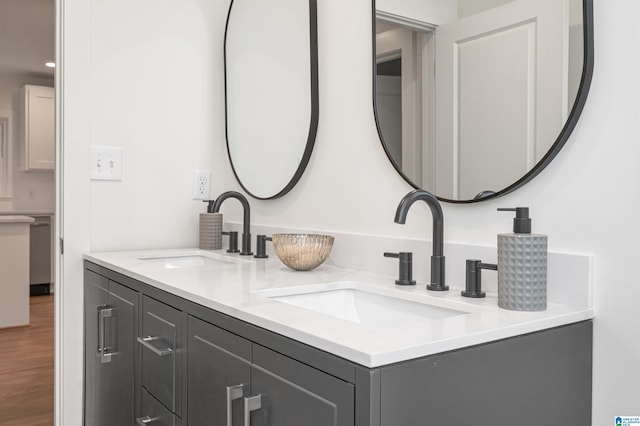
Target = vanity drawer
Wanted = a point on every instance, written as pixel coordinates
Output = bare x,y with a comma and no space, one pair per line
161,343
154,413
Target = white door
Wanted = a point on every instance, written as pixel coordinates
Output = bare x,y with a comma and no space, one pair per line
501,94
401,43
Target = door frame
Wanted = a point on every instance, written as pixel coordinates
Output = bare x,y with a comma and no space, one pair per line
415,45
73,201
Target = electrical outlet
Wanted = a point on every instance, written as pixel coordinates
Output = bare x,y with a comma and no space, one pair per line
201,185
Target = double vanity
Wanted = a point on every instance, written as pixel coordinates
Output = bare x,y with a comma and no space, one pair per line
193,337
177,337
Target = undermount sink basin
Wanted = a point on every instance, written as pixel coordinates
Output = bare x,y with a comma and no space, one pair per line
189,261
361,305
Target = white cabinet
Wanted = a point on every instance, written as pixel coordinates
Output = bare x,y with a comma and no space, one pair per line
37,127
14,266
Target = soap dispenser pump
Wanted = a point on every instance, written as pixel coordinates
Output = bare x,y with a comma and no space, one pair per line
522,266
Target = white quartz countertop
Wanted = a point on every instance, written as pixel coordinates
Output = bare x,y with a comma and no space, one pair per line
27,213
241,287
16,219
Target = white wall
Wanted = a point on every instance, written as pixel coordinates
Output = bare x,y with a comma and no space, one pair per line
144,75
585,200
471,7
433,12
155,92
32,191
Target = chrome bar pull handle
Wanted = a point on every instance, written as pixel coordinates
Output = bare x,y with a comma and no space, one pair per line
252,403
103,314
146,342
100,348
145,420
233,393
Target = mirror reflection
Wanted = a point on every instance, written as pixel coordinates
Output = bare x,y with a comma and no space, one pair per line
472,94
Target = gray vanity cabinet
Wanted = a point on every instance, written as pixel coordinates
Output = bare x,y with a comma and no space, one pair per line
538,379
174,362
228,374
219,371
110,312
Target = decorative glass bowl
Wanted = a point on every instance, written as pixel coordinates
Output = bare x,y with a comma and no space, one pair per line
302,252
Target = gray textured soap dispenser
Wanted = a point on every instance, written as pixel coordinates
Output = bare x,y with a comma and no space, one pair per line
522,266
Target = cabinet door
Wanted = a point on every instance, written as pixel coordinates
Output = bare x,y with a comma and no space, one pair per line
121,334
219,373
96,373
293,394
110,332
40,127
161,353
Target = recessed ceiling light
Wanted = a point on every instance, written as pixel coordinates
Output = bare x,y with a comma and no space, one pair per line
50,64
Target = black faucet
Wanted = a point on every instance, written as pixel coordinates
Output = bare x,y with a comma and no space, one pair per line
437,256
246,233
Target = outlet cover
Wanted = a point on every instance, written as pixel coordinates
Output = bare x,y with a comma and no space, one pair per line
201,184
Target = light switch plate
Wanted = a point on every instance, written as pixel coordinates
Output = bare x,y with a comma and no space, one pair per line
106,163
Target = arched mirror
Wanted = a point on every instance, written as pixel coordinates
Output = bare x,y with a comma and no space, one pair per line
271,92
473,98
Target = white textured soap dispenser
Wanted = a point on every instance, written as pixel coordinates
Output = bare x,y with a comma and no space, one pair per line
522,266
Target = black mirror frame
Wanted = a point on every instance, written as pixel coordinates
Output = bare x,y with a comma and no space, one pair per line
313,125
572,120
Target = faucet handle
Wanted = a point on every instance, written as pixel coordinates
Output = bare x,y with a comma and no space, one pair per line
233,241
473,282
261,247
406,267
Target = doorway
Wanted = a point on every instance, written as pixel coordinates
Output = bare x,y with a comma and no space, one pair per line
27,188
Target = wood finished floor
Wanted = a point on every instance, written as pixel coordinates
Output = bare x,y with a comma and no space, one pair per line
26,368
